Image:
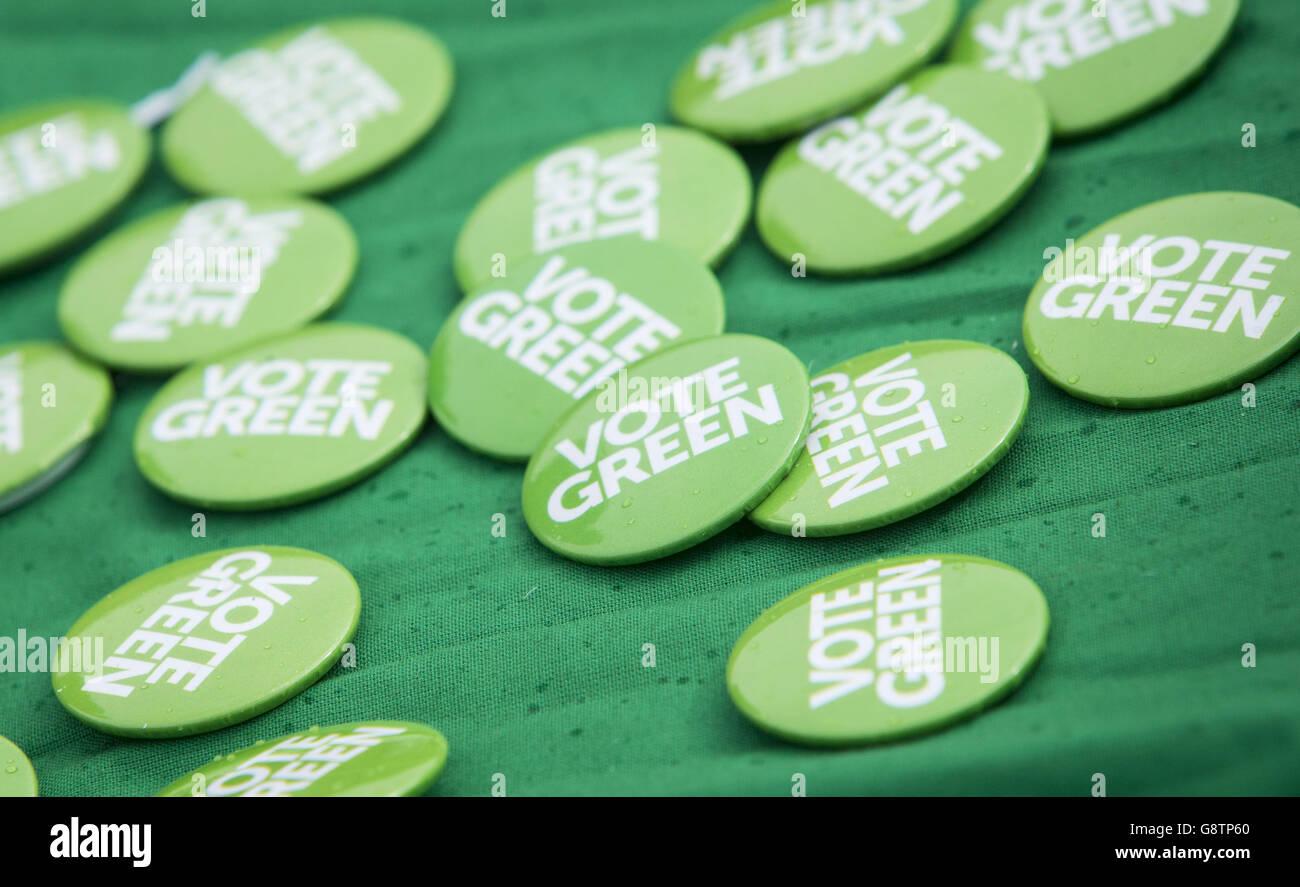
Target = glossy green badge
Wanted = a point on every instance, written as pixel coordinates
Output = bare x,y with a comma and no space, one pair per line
363,759
896,431
889,649
194,281
1170,303
63,167
778,70
670,452
1096,64
284,421
52,403
931,165
310,109
208,641
516,356
17,776
654,183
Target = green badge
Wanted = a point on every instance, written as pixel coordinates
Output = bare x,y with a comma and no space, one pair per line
208,641
934,163
669,452
363,759
516,356
1096,64
285,421
1170,303
780,69
310,109
52,403
63,167
195,281
888,649
655,183
896,431
17,777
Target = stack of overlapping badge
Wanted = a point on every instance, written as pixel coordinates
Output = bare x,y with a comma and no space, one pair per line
591,344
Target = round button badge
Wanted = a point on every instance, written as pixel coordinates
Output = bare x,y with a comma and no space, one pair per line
362,759
17,776
52,403
310,109
208,641
1095,66
888,650
198,280
63,167
931,165
655,183
1172,302
516,356
670,452
897,431
286,420
779,69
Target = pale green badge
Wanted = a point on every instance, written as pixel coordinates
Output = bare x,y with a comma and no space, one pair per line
52,403
1096,62
310,109
207,642
654,183
284,421
63,167
362,759
17,776
198,280
934,163
1170,303
668,452
785,66
889,649
518,354
895,432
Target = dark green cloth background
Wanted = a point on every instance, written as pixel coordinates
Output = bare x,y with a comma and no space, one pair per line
531,664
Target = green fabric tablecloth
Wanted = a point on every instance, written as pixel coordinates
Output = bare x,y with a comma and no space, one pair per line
532,665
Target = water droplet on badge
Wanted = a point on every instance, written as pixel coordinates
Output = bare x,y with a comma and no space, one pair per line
762,440
907,493
11,769
1073,380
626,503
956,418
1151,358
